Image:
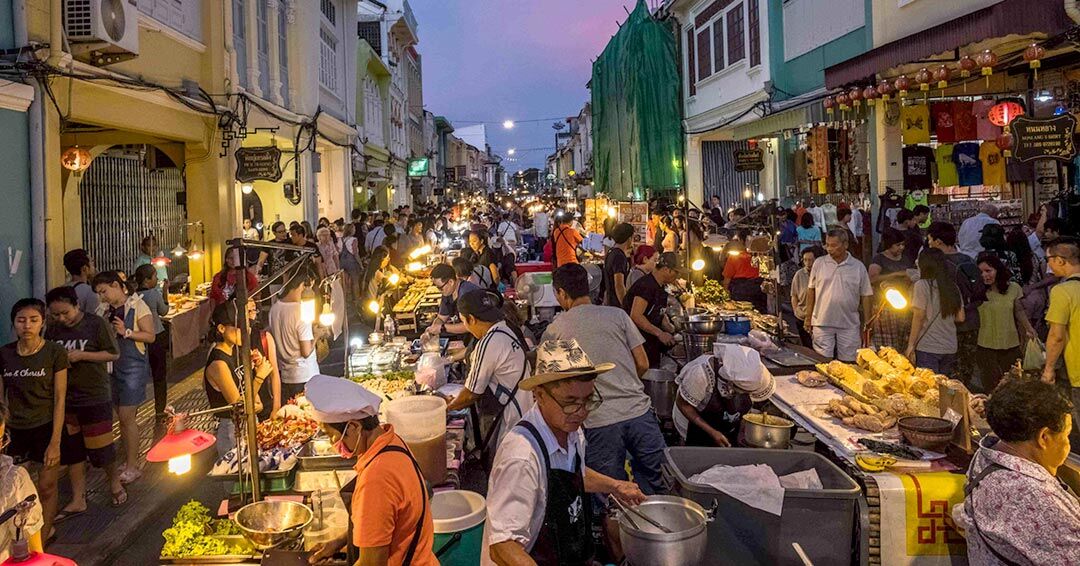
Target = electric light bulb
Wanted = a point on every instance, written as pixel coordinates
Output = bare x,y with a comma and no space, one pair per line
373,306
394,279
698,265
246,188
327,317
896,299
307,307
414,267
180,465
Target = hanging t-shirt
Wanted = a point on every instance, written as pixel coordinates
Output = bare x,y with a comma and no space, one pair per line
941,112
915,124
993,164
946,169
917,161
983,126
968,166
964,123
914,199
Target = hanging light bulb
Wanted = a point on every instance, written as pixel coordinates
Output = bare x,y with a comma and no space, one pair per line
414,266
195,253
307,306
246,188
760,196
327,317
747,193
373,306
698,265
179,250
896,299
75,158
394,279
180,465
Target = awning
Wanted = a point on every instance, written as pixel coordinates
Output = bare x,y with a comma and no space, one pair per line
1020,17
791,114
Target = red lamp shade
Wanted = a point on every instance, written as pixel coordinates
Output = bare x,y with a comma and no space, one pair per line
183,443
828,103
923,78
40,559
885,88
855,95
870,93
942,75
902,84
1004,113
967,65
842,100
987,59
1033,54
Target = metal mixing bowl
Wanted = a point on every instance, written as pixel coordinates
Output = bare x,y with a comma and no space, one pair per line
270,524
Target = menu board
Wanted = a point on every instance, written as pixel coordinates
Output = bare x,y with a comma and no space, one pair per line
637,215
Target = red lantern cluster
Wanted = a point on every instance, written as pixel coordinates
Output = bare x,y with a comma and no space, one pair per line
1004,113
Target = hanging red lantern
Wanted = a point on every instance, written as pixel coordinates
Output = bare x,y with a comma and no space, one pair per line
870,94
923,78
885,89
1005,143
967,65
902,85
842,101
1033,55
942,75
829,103
855,96
1003,114
986,60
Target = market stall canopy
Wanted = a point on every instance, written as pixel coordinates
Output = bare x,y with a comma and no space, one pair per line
1009,17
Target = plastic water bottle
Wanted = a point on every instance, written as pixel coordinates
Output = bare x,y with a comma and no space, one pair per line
389,327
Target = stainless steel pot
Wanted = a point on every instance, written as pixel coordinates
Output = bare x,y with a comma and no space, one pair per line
766,431
645,545
660,387
704,324
270,524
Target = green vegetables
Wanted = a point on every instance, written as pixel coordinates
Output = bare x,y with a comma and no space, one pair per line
390,376
711,292
188,535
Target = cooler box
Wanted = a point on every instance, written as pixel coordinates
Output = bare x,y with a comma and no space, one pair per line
821,521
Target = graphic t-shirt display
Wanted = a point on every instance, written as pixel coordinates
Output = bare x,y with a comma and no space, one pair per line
88,383
944,128
946,169
985,129
968,166
915,124
964,120
993,164
917,162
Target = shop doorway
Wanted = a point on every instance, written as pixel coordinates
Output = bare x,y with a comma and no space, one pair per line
123,200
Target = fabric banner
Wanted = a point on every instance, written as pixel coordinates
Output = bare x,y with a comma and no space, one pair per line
916,519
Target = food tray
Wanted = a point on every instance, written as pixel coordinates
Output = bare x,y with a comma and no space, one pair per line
273,475
218,558
311,462
789,358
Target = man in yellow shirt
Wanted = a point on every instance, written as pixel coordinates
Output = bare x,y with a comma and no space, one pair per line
1063,315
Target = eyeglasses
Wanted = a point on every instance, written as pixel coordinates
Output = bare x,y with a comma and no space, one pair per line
591,404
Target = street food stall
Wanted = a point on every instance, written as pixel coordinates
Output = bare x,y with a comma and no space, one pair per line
188,319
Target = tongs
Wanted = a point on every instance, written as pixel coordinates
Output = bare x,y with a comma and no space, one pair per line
630,510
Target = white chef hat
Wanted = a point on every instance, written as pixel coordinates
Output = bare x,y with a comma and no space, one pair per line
338,400
743,368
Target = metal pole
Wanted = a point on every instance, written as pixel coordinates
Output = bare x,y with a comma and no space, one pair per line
249,385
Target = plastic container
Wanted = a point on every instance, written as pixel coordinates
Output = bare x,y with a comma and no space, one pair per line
459,527
737,325
822,521
330,519
420,420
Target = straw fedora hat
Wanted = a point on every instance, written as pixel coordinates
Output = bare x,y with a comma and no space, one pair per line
557,360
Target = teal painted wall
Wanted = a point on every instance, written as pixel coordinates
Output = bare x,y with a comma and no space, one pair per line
806,72
7,30
14,215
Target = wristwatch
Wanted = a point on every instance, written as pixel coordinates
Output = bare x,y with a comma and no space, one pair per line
127,333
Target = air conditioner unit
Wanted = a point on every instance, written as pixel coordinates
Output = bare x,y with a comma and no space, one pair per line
102,32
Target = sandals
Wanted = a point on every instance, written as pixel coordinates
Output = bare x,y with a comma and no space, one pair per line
119,498
65,514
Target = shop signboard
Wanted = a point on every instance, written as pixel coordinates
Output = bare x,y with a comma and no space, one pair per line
1037,138
258,164
419,167
749,160
451,175
637,215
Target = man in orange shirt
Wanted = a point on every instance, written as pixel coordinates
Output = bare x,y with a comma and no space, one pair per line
391,514
567,239
743,280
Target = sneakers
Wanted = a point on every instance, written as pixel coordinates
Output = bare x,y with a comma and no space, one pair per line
129,475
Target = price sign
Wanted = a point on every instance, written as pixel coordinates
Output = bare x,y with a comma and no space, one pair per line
749,160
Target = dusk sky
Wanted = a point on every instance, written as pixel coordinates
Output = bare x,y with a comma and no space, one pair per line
493,60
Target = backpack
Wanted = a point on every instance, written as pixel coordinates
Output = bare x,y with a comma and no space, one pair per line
972,291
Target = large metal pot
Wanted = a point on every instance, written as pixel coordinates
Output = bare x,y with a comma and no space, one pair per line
660,387
704,324
645,545
766,431
270,524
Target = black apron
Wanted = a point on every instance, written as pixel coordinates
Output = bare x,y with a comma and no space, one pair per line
566,536
488,408
423,510
721,413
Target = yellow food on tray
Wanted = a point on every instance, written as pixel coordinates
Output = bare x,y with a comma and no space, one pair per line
896,359
880,368
866,357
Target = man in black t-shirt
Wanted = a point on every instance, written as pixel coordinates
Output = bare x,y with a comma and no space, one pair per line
646,301
616,265
298,237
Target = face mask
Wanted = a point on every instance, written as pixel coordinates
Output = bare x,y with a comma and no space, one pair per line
343,450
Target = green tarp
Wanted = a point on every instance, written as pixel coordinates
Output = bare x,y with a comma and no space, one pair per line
637,131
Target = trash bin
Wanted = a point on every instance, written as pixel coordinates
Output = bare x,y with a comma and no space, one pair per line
459,527
821,521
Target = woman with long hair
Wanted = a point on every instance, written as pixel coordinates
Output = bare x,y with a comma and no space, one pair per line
376,273
34,373
1017,242
936,309
992,239
808,234
263,346
223,284
1003,323
329,249
889,270
645,258
221,378
349,259
146,284
134,326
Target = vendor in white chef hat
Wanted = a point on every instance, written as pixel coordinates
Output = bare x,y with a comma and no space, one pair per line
391,518
716,390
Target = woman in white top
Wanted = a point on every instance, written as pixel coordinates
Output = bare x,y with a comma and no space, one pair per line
937,308
330,250
15,486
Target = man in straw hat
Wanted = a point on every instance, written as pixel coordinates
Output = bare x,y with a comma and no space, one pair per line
537,509
391,516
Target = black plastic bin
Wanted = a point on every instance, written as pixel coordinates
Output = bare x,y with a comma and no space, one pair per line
822,521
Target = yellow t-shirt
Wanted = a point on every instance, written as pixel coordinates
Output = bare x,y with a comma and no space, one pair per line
1065,309
993,164
915,124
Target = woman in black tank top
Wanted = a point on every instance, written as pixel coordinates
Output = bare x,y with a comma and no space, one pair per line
222,379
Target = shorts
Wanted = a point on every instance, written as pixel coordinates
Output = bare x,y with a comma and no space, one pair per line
88,435
29,444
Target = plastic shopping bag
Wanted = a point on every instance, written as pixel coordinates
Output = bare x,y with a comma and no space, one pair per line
1034,355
